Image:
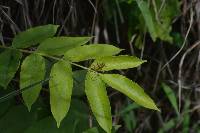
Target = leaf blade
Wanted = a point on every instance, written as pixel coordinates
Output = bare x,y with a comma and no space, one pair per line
60,45
116,62
91,52
129,88
148,18
34,35
32,71
61,84
9,64
97,96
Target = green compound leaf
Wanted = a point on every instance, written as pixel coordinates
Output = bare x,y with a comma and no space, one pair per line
9,64
116,62
34,35
32,71
61,84
91,52
130,89
99,102
59,45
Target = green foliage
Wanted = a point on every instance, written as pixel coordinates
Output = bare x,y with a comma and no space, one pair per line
156,29
130,121
116,63
33,36
32,71
128,115
61,84
39,120
186,118
156,17
168,125
177,39
95,90
167,13
183,118
75,122
129,88
91,52
148,18
92,130
171,96
18,117
169,10
79,82
62,76
59,45
9,63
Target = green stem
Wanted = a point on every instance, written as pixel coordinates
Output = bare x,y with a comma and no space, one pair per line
49,56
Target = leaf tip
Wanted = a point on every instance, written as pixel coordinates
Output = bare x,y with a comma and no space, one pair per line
157,109
121,49
108,129
144,61
55,26
154,107
29,108
58,124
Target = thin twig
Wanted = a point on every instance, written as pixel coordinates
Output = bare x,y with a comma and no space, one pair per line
185,40
161,7
95,10
94,19
119,11
65,20
49,56
131,43
16,92
180,71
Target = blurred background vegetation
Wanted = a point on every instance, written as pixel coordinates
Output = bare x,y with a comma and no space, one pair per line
166,33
